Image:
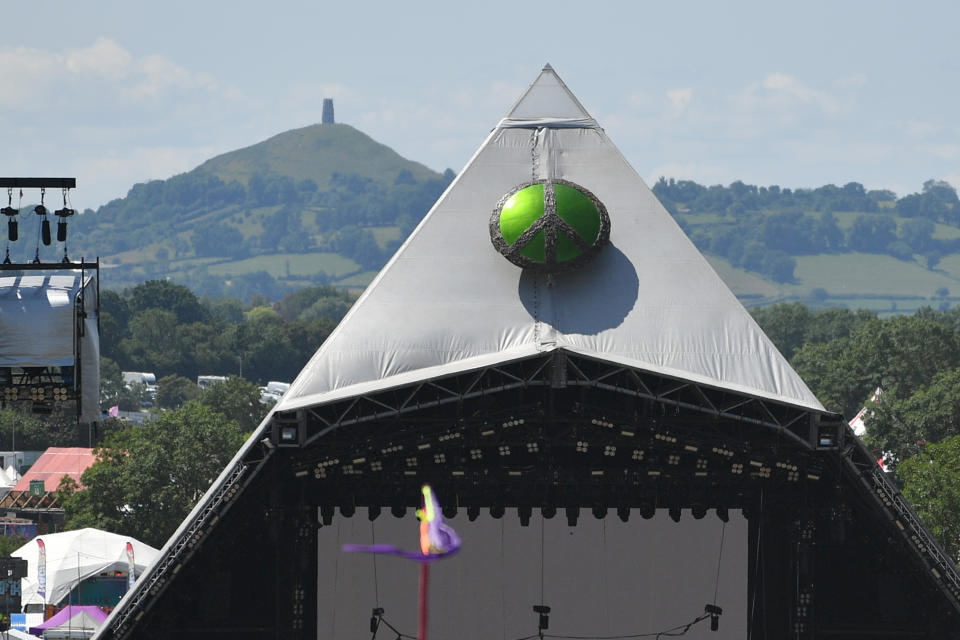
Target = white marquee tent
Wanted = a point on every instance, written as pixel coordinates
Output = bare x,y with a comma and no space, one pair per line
74,556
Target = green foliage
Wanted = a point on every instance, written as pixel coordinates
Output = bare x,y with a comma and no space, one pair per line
903,425
173,391
146,479
188,337
9,544
236,399
931,482
900,354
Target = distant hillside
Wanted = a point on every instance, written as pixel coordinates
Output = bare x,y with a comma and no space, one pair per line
328,205
324,204
316,153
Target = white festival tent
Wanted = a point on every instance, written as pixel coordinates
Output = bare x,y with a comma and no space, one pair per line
448,302
74,556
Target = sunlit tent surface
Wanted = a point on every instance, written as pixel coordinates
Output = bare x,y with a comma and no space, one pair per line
451,303
74,556
632,382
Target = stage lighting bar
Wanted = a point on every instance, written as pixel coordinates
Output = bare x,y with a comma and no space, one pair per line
601,422
638,454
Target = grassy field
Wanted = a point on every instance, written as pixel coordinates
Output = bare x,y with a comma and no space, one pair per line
277,265
866,273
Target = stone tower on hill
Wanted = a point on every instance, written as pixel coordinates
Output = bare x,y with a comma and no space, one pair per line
327,117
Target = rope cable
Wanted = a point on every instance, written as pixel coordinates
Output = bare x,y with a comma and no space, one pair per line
376,582
716,587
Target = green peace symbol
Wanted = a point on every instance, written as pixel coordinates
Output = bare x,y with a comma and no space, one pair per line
549,225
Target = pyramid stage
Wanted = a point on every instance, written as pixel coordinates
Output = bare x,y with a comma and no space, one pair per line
606,427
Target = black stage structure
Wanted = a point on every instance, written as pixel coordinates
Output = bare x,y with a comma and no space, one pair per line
832,548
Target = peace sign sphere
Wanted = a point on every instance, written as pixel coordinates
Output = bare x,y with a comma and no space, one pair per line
549,225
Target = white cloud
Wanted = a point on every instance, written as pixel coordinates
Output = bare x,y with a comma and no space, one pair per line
679,98
784,93
103,58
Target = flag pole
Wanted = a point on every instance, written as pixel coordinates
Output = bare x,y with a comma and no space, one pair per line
424,585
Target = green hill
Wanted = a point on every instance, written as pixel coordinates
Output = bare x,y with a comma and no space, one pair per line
323,204
316,153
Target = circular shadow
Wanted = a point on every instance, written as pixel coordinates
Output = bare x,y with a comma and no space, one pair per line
596,297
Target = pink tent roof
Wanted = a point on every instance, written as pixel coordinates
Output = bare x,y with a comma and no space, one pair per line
55,463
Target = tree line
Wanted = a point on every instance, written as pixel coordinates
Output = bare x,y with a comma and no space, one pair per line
164,328
765,227
914,426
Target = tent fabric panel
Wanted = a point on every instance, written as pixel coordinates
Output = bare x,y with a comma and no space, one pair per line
74,556
37,320
649,298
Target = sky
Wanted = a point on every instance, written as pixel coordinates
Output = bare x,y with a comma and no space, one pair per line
793,94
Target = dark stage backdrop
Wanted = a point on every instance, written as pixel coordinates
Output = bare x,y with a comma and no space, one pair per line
602,577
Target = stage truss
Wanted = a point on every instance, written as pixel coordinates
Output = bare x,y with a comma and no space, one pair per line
568,435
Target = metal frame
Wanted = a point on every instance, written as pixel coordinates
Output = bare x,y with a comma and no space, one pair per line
798,427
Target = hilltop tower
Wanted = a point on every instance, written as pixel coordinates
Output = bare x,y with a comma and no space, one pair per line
327,117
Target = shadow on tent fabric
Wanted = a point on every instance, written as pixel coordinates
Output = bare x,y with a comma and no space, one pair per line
596,297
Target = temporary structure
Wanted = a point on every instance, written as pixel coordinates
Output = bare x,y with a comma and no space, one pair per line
74,556
71,622
649,300
549,338
63,309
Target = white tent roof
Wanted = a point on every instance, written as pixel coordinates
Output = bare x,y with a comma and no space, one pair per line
74,556
449,302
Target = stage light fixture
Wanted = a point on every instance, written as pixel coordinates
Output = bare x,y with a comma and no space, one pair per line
375,620
524,514
326,514
497,511
543,613
723,514
473,513
449,510
476,454
599,511
347,510
675,513
647,510
373,512
582,446
609,450
572,514
714,611
548,511
398,510
699,510
533,447
623,513
504,449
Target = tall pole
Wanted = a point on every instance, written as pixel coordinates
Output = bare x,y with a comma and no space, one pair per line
424,585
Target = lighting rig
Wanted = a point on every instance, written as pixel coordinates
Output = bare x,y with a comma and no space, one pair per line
43,389
590,457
